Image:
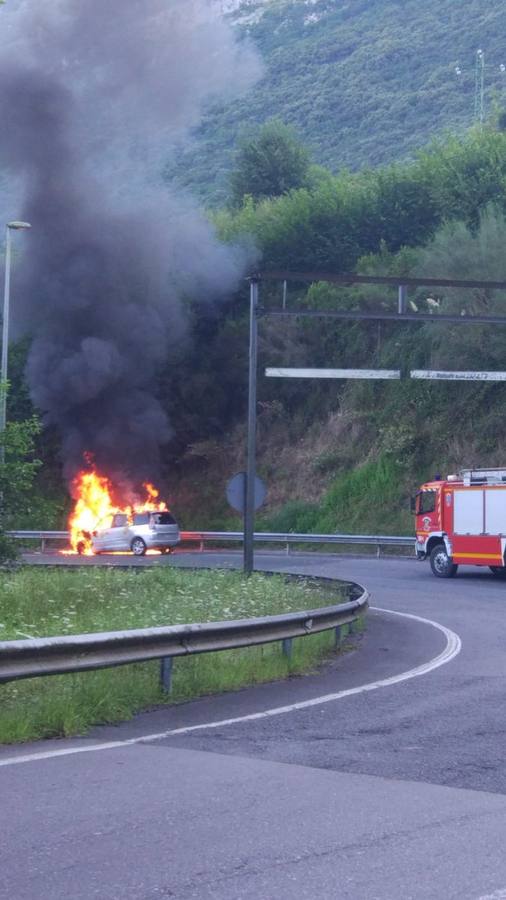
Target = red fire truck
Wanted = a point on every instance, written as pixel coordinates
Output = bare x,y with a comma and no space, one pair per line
462,520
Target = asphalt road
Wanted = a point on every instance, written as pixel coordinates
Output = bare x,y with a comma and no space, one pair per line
378,794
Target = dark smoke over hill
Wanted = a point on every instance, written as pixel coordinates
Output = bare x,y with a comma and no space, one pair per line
92,95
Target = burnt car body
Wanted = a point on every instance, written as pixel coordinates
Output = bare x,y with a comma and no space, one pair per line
144,531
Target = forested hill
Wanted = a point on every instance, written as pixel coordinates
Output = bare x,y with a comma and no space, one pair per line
364,82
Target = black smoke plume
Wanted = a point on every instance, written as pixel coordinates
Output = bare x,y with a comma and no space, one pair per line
92,95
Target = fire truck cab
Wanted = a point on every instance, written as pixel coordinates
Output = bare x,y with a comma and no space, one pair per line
462,521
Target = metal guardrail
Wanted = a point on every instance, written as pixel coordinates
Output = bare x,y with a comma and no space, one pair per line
41,536
78,653
287,538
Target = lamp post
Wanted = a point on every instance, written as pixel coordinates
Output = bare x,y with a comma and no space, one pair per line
10,226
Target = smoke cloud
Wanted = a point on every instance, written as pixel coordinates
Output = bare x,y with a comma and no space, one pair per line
92,96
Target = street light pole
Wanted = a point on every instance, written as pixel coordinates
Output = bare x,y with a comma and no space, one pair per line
11,226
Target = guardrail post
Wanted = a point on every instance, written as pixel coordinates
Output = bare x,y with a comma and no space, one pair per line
287,645
202,546
353,627
287,549
339,636
43,545
378,551
166,674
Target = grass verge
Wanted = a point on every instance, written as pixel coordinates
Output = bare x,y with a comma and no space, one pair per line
35,603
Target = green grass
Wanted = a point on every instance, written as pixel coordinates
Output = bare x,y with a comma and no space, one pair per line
371,499
56,602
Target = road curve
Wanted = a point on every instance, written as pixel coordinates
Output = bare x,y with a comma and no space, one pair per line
391,793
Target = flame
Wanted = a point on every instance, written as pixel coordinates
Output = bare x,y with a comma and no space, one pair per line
152,493
94,507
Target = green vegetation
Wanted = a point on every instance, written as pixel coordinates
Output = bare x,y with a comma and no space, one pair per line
363,83
35,603
269,163
338,220
441,216
18,467
375,493
388,438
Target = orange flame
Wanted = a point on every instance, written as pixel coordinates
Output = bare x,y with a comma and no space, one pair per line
94,507
152,493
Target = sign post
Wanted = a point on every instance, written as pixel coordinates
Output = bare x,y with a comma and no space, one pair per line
249,511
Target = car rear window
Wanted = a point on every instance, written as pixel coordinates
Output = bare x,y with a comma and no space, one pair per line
163,518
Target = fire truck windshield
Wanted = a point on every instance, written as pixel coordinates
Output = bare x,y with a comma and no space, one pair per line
426,502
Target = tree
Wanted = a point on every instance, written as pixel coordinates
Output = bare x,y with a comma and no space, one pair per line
459,251
269,163
17,472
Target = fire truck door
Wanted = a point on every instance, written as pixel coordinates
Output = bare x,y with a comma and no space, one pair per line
495,511
468,512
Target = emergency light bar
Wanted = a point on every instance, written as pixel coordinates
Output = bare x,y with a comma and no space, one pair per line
483,476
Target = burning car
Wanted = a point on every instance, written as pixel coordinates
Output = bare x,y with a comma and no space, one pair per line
97,525
142,531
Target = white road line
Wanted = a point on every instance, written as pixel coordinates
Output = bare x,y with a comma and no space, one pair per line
497,895
452,649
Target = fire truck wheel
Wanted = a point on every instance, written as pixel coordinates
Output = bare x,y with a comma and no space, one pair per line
138,547
498,571
440,562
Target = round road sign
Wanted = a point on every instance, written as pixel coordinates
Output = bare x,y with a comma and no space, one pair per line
236,492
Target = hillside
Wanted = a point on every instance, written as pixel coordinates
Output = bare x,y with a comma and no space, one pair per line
340,456
364,82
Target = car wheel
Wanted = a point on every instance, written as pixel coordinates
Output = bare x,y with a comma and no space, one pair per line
440,562
81,547
498,571
167,550
138,547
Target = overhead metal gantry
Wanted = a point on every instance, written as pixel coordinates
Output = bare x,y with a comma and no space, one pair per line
402,283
